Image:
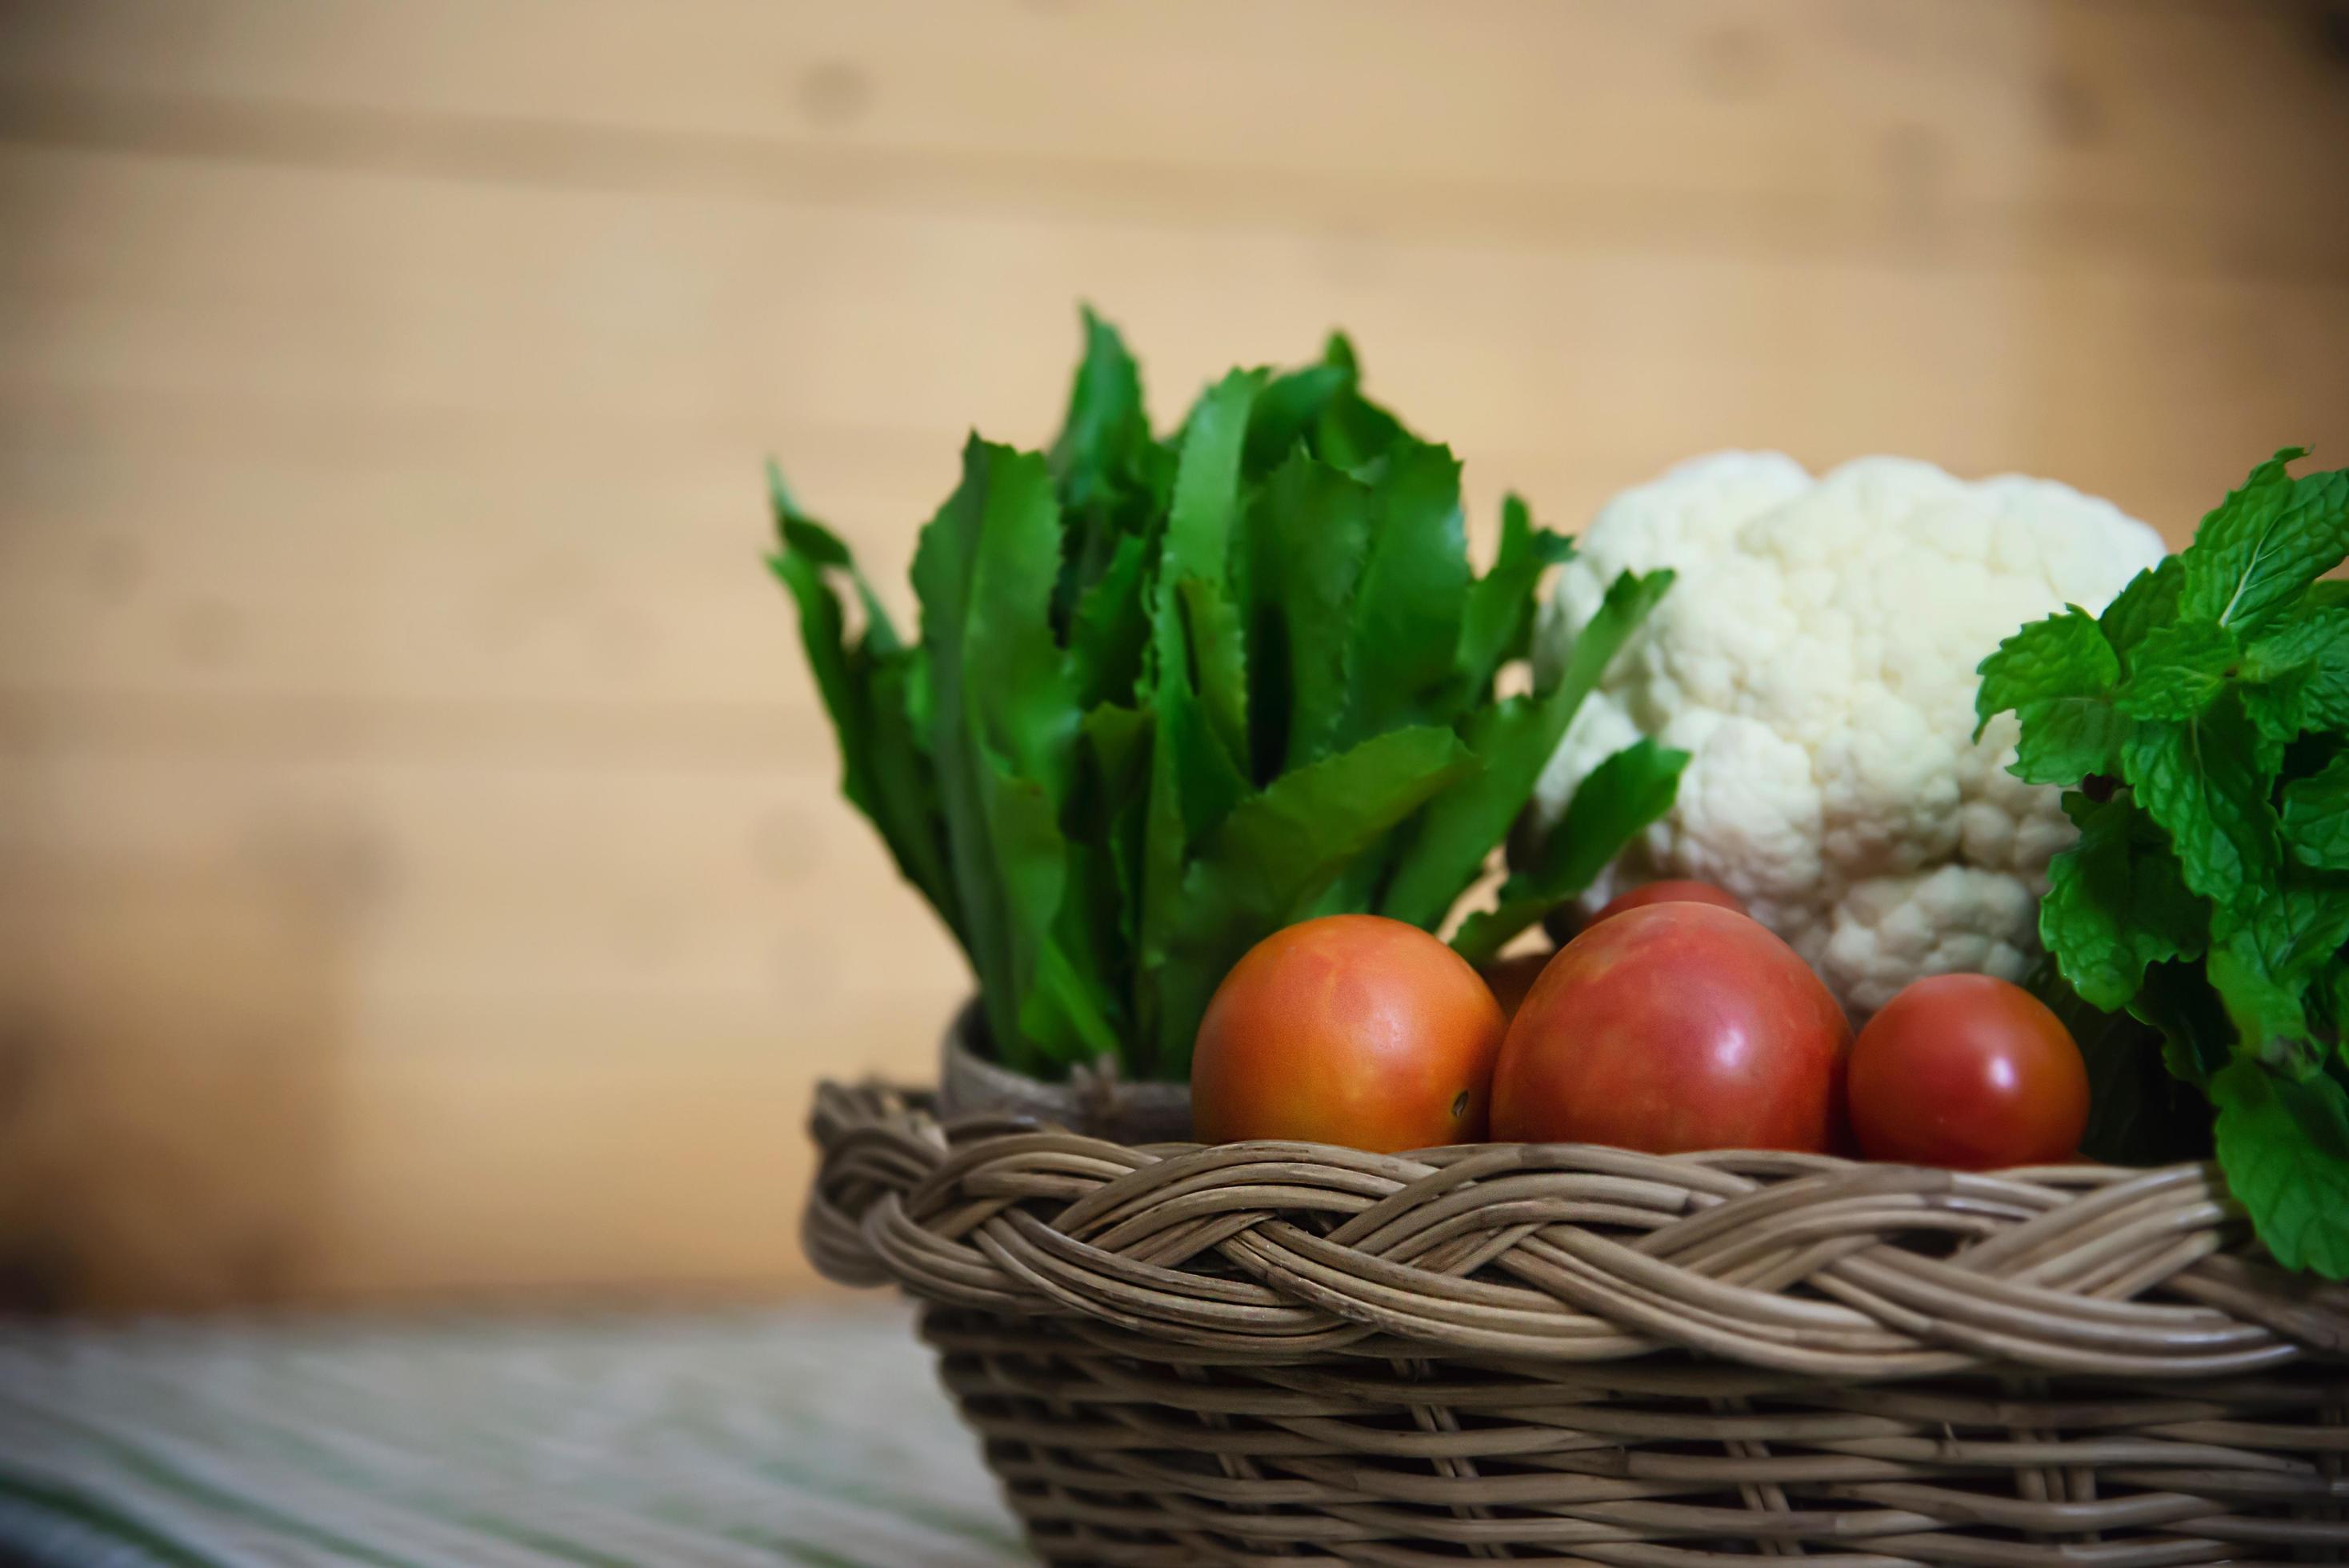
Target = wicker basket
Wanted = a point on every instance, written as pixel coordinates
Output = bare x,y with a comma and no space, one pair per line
1282,1353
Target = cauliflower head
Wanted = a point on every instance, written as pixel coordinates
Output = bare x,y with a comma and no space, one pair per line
1816,658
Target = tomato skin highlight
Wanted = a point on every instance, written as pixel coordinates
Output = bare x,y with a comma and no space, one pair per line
1674,891
1350,1029
1674,1026
1971,1073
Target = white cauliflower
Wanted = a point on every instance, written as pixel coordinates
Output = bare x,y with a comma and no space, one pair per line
1815,657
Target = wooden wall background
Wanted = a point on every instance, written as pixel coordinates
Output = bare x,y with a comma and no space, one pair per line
420,865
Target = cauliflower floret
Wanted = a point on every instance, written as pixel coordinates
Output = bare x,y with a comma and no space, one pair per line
1815,657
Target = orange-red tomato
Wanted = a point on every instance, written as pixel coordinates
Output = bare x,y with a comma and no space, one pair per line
1350,1029
1671,1028
1668,893
1970,1072
1513,978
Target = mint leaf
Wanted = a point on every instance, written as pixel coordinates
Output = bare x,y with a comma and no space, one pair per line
2296,678
2116,901
2138,1114
2150,600
2273,952
2177,671
2202,779
2058,675
2301,634
2196,1037
2316,817
1614,802
2064,657
2285,1147
2265,542
2069,738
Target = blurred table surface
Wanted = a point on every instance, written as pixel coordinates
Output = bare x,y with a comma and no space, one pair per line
816,1434
422,864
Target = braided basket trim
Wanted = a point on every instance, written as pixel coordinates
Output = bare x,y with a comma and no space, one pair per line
1252,1254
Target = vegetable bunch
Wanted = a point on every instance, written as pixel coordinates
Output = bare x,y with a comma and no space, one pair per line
1172,694
2200,725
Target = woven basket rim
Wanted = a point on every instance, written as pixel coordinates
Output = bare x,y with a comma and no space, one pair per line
1794,1264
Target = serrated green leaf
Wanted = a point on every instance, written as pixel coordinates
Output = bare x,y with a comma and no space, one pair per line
2201,780
2264,543
2285,1147
1270,858
1219,666
1289,407
2178,670
1499,619
1514,740
1206,499
1097,453
2316,817
941,577
1297,559
1409,605
2116,901
1616,800
2063,657
1021,707
1111,627
1354,434
884,769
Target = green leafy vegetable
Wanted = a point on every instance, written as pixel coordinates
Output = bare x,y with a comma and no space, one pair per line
2202,722
1171,694
1621,796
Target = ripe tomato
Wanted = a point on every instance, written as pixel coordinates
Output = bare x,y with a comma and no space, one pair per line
1512,979
1671,1028
1668,893
1970,1072
1349,1029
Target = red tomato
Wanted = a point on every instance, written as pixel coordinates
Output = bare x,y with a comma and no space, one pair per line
1668,893
1349,1029
1671,1028
1512,979
1968,1072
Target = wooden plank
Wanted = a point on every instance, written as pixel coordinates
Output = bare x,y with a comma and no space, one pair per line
473,877
1808,123
303,346
327,1029
607,308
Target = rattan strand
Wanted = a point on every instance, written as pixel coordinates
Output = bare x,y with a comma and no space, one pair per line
1284,1353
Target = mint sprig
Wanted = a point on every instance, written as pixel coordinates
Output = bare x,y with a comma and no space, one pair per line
2202,726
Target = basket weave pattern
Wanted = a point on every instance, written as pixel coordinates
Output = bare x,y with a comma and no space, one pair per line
1281,1353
